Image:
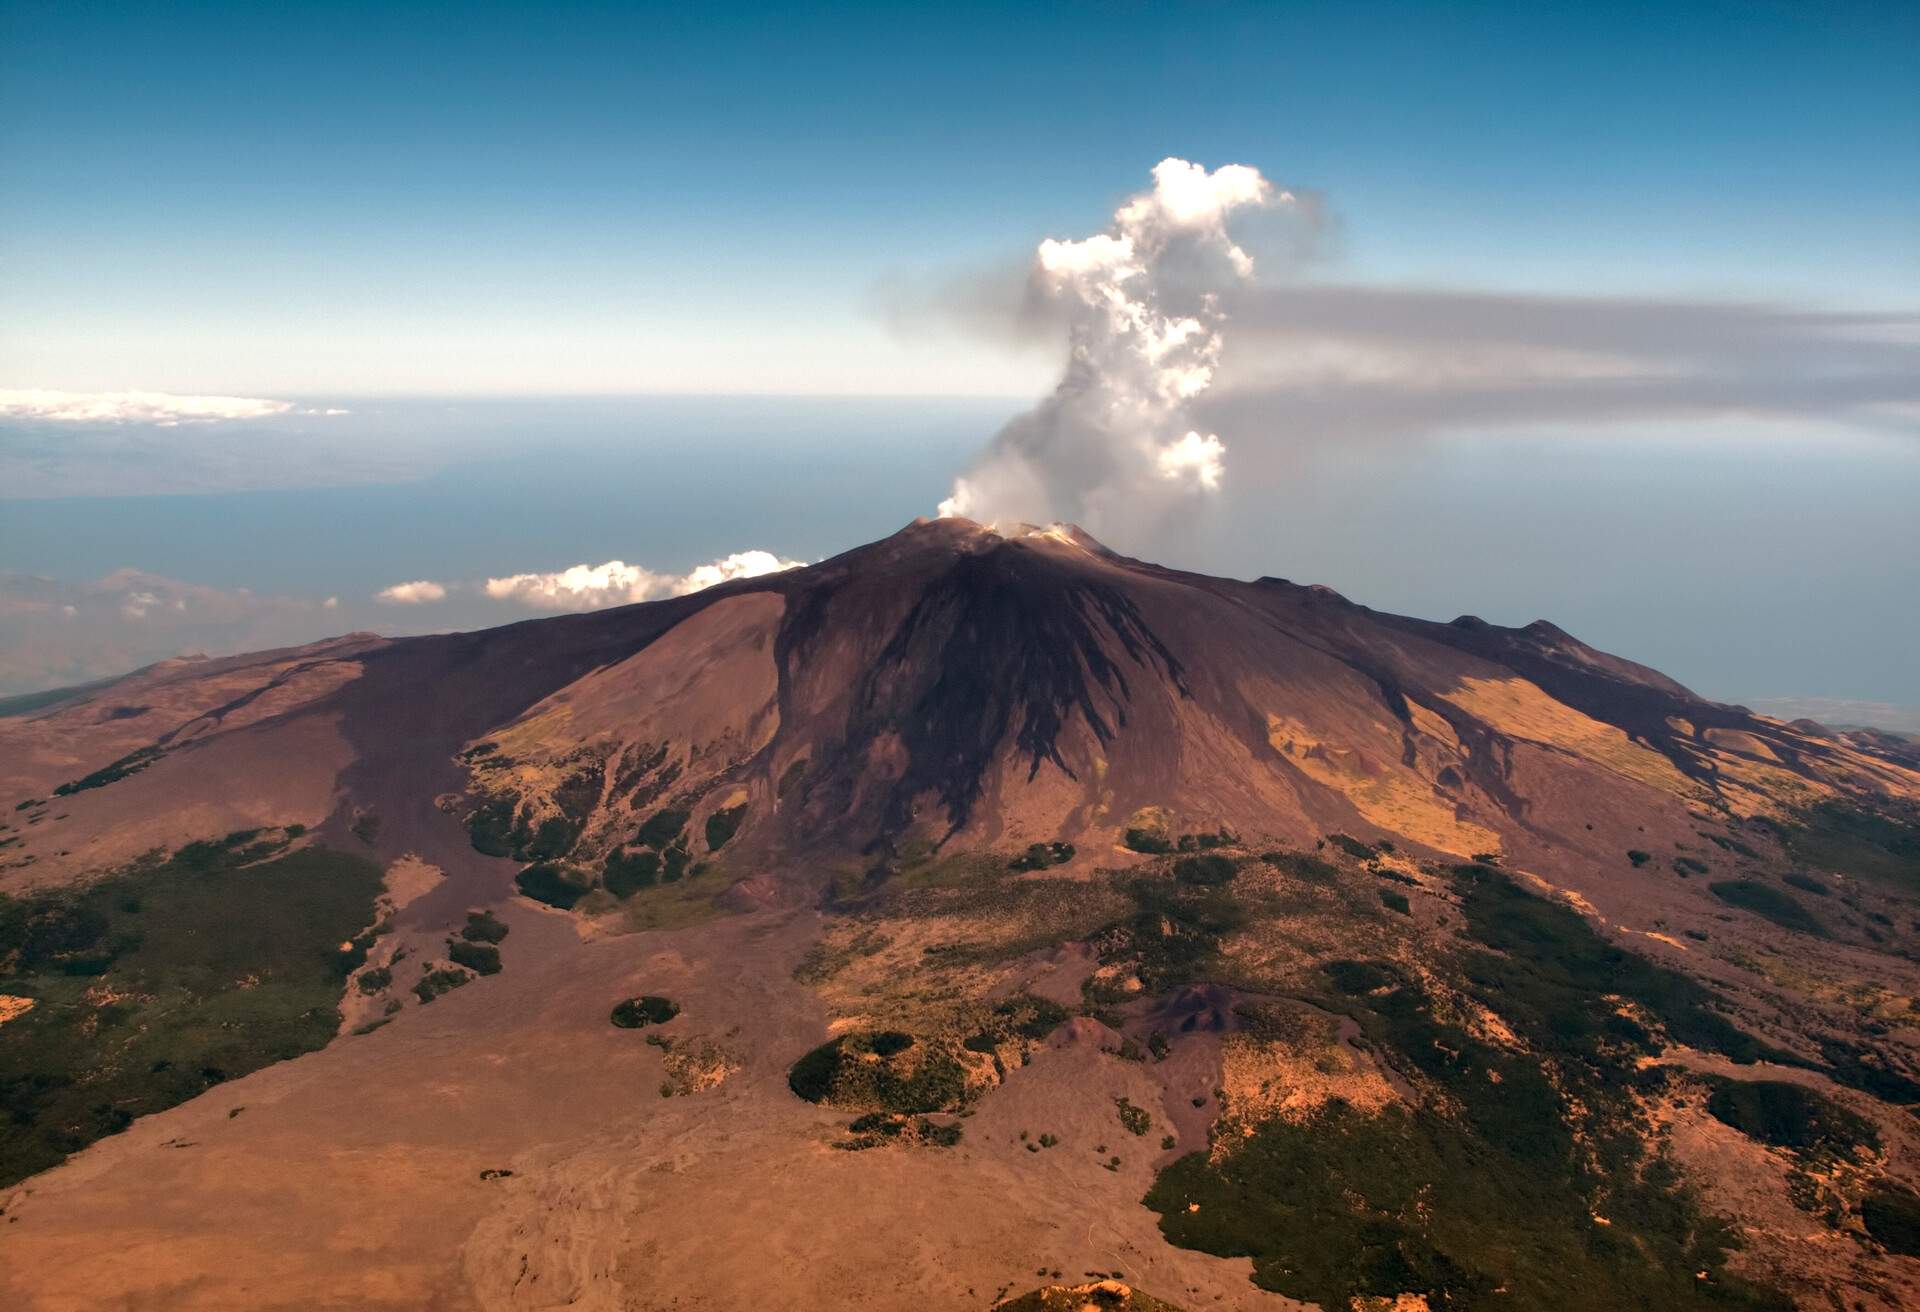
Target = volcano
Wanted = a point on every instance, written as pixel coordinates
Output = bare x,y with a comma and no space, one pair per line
993,910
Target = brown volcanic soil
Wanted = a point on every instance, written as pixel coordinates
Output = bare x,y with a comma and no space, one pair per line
352,1179
885,718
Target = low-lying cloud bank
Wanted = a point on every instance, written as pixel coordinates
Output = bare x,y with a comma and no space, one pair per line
594,587
161,409
55,633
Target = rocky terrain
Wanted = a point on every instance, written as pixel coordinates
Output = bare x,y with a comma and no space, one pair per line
975,917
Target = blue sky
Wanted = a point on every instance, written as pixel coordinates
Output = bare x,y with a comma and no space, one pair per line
562,198
1620,303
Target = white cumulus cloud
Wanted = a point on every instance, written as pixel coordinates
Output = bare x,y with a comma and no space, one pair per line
416,593
616,583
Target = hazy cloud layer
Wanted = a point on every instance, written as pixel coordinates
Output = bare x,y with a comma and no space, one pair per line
64,444
54,633
1841,712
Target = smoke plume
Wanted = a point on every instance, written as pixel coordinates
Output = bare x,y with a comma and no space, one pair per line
1145,322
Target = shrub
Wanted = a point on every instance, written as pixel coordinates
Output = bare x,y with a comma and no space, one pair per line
132,763
887,1043
374,980
676,860
1137,1120
1638,857
1686,865
1042,856
437,982
1768,902
483,927
554,885
1785,1115
1806,884
481,958
1302,865
661,828
1204,870
553,837
648,1009
911,1078
1395,902
723,825
1150,841
1353,847
626,873
1892,1216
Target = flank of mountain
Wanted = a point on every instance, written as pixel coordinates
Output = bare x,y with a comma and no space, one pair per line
980,893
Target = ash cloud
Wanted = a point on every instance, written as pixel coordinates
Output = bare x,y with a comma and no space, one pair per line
1142,305
1187,372
1346,365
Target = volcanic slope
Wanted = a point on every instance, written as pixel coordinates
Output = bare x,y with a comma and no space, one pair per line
1061,912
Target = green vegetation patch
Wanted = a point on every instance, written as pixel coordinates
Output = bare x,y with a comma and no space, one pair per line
1205,870
1892,1216
626,873
1491,1179
1769,903
877,1129
1302,865
373,981
885,1070
1042,856
503,826
1341,1205
1785,1115
647,1009
662,827
1174,934
130,764
1882,846
554,885
439,982
1353,847
1554,972
1134,1119
483,927
156,983
480,958
723,825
